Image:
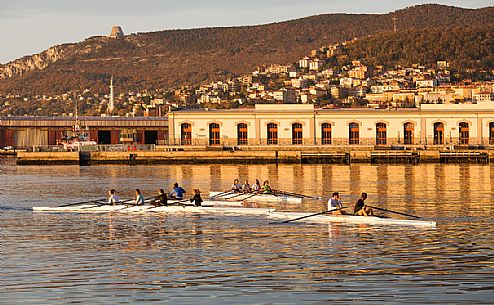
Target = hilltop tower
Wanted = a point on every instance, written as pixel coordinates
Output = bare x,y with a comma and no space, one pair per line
111,104
116,32
394,24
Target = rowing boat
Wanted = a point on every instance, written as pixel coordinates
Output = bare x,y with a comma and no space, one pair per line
205,209
373,220
249,197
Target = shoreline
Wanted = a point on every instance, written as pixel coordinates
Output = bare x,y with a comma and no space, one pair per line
293,155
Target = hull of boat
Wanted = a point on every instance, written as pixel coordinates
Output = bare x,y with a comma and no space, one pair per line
232,197
352,219
93,208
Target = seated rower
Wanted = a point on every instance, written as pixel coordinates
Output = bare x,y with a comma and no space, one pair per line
236,187
161,199
139,198
361,209
177,192
197,198
246,187
256,187
266,189
334,203
113,197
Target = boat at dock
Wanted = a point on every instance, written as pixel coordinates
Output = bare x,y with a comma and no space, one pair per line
250,197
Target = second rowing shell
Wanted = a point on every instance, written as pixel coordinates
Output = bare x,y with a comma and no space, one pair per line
267,198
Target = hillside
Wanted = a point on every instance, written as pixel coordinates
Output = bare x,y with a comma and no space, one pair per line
176,57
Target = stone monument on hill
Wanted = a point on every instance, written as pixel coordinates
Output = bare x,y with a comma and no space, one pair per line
116,32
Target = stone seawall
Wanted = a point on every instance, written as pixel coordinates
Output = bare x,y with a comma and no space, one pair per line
251,157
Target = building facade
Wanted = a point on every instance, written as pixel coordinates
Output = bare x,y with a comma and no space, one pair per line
286,125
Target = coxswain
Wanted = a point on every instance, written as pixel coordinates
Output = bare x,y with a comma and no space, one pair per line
113,197
197,200
236,187
361,209
139,198
266,189
246,187
161,199
334,203
177,192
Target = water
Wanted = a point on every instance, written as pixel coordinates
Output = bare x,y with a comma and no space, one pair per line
212,259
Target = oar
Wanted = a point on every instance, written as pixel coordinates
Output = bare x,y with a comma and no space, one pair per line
390,211
293,194
82,202
307,216
221,194
251,195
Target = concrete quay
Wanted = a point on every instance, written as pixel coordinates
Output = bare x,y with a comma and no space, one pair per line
258,155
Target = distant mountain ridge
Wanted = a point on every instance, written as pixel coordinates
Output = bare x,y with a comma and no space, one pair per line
181,57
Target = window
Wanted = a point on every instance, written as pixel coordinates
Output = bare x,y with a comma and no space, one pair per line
326,133
491,133
297,134
380,134
185,134
408,133
353,137
242,134
464,133
272,133
438,133
214,134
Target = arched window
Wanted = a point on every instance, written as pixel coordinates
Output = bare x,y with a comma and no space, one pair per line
297,134
408,129
272,133
185,134
326,133
214,134
438,133
241,134
381,134
491,133
353,134
464,133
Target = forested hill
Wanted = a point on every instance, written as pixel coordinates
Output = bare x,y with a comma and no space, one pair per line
180,57
465,48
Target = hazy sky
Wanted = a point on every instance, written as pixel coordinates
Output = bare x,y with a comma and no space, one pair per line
31,26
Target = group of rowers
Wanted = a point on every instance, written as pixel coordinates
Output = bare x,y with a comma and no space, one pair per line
361,209
256,188
177,195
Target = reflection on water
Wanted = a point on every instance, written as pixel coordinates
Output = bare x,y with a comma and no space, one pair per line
212,259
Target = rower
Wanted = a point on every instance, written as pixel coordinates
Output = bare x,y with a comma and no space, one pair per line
113,197
246,187
161,199
139,198
266,189
256,187
197,198
177,192
334,203
361,209
236,187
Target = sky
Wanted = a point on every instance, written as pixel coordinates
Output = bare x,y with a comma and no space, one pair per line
30,26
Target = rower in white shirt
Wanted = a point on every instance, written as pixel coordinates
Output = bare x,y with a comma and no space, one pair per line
334,203
113,197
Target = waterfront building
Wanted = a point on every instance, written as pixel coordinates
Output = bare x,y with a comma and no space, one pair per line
438,125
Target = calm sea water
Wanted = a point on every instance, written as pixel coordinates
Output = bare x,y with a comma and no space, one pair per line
215,259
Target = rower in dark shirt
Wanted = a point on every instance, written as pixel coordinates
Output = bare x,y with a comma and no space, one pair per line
161,199
361,209
197,198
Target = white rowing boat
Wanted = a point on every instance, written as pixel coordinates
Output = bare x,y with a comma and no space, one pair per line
205,209
249,197
351,219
